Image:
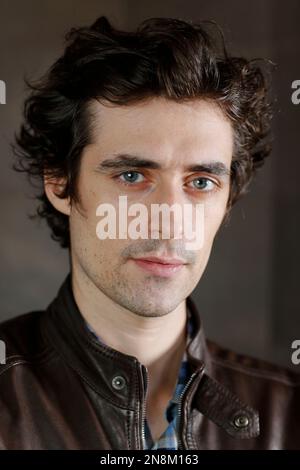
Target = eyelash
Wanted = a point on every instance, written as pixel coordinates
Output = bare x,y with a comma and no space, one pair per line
126,183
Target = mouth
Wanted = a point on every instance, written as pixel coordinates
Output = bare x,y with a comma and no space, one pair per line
159,266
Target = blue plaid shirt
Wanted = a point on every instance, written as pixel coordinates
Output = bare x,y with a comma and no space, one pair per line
168,439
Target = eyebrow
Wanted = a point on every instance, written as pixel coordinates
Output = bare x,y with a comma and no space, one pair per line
125,161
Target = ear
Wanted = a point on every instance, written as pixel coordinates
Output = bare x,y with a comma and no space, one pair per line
54,187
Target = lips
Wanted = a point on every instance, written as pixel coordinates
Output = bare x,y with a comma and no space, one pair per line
158,266
168,261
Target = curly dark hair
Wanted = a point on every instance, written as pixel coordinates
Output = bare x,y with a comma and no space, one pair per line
164,57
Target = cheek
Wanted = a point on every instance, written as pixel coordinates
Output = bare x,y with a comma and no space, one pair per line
213,215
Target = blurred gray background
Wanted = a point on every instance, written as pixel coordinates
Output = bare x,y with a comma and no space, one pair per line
249,294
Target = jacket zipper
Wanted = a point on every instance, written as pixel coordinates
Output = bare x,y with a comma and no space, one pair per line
187,385
145,375
145,382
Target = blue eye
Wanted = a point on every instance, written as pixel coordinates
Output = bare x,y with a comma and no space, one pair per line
203,184
131,177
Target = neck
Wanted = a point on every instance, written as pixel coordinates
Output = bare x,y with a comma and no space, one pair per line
152,340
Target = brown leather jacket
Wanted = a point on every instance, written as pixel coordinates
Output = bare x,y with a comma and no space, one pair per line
61,389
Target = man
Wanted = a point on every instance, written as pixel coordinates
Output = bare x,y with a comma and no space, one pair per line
119,359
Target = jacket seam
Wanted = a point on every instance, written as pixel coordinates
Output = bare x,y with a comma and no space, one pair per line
128,428
23,360
264,374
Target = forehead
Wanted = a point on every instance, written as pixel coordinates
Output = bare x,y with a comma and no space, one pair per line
162,129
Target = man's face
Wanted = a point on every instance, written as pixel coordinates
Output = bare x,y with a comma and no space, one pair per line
174,138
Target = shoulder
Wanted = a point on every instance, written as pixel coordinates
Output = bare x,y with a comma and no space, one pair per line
21,340
248,368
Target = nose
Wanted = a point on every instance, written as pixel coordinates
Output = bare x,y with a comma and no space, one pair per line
166,211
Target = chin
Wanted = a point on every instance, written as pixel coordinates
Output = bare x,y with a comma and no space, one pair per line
155,307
